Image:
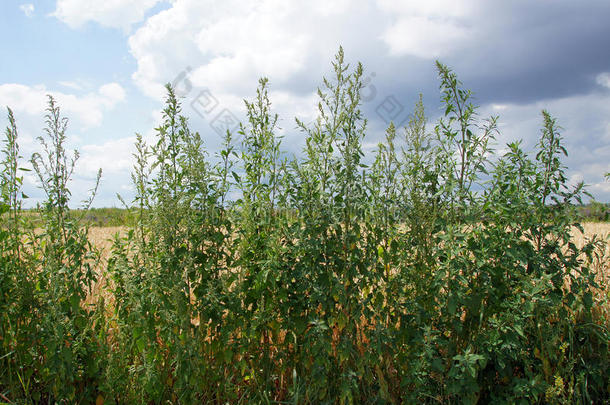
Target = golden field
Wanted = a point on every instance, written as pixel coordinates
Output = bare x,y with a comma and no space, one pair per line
102,238
601,229
601,265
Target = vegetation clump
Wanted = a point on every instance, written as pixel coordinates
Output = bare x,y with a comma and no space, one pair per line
440,272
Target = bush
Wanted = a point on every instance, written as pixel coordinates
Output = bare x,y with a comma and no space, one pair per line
438,273
49,346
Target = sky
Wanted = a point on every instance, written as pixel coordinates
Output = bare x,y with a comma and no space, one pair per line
106,63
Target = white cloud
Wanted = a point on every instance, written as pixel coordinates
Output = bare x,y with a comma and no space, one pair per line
600,188
585,129
305,106
77,84
113,157
225,47
576,178
603,79
329,8
111,94
424,37
71,84
427,29
28,9
498,107
433,8
108,13
228,44
87,109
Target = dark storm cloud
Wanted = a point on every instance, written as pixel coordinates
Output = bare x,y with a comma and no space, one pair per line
527,51
519,52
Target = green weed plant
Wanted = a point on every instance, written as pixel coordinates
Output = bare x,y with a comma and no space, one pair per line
439,272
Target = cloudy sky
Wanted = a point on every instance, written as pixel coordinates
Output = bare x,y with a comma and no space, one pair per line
106,63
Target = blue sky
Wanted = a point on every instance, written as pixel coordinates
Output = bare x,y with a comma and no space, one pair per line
106,64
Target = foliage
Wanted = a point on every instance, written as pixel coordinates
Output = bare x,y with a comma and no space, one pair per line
439,272
49,344
594,211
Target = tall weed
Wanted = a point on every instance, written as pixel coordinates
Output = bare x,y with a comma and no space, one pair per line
437,272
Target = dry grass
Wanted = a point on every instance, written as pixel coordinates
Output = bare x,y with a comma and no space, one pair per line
602,231
600,264
102,238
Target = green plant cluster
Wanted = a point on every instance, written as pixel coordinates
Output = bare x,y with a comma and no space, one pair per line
438,273
48,342
594,211
93,217
106,217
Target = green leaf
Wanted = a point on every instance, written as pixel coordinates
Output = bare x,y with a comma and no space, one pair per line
588,300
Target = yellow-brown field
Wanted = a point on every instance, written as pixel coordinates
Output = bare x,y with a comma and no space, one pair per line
602,230
102,238
601,265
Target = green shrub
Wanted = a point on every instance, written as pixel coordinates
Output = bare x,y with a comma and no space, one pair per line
437,273
48,343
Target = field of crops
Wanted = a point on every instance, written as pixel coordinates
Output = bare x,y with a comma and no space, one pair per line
438,272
